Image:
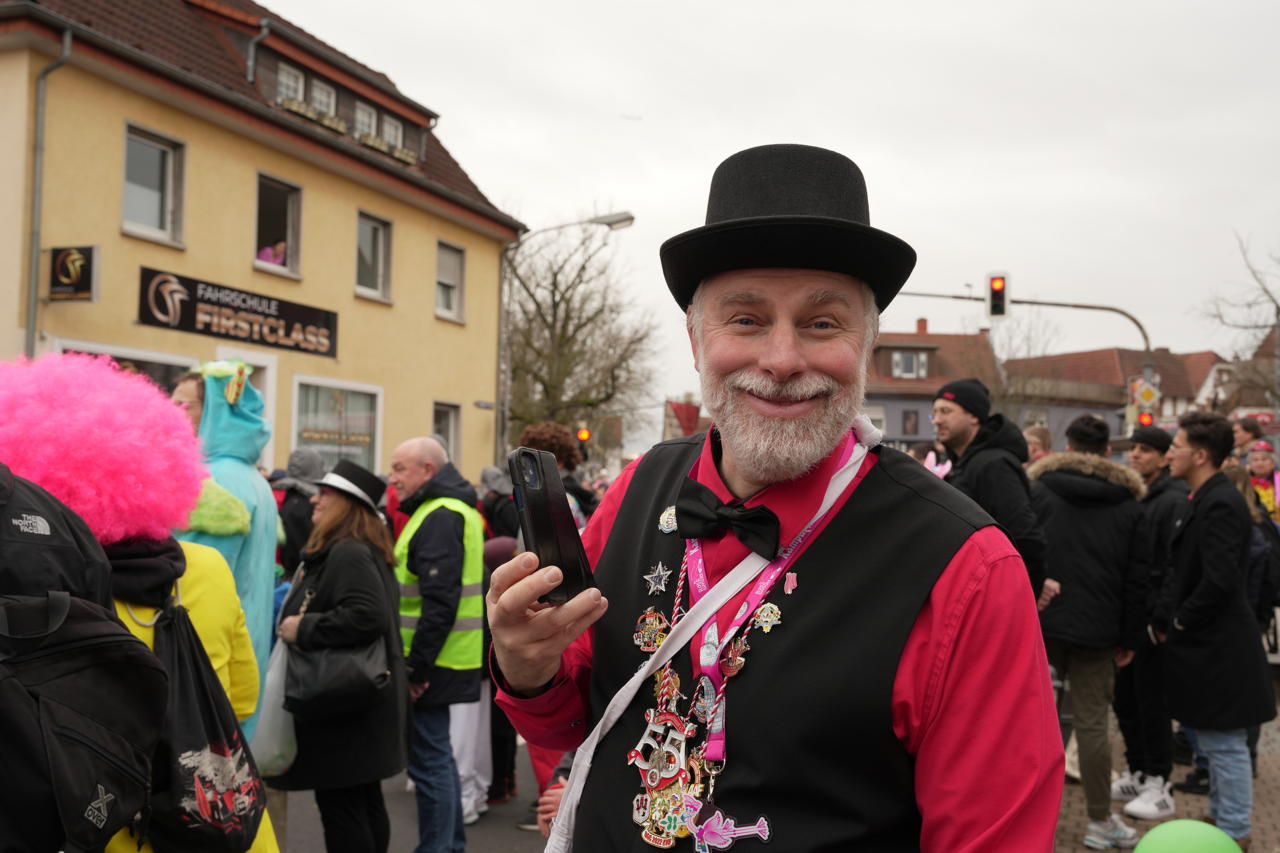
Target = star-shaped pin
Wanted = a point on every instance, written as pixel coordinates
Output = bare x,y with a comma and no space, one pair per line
657,578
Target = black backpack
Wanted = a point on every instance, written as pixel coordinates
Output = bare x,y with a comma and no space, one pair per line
207,794
82,702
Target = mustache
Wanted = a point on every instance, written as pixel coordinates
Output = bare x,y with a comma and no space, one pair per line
802,388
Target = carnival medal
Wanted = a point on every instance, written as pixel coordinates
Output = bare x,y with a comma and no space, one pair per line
657,578
651,630
767,615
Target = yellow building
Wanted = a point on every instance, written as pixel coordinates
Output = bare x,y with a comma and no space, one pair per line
216,183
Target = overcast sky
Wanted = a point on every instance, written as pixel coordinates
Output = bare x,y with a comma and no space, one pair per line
1097,152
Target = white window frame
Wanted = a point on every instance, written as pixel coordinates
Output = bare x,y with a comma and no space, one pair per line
370,124
260,361
293,257
455,418
383,292
174,178
284,72
300,379
459,303
396,139
318,87
919,368
119,352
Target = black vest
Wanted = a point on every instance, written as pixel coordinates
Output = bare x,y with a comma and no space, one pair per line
809,732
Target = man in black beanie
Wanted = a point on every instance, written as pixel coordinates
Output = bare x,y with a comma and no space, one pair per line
1140,704
987,453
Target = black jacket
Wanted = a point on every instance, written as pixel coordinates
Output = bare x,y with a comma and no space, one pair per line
1165,499
1216,673
500,511
295,515
1097,531
357,600
45,546
435,556
990,472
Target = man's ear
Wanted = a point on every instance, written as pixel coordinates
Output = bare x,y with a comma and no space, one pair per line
693,341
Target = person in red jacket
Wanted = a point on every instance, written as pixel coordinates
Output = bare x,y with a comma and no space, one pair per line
798,636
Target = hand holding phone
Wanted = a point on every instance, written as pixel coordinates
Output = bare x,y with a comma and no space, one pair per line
546,521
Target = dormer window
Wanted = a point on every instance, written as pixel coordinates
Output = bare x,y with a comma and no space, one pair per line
289,83
323,98
366,120
908,364
392,132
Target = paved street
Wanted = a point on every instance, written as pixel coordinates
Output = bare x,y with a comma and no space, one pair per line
496,832
1266,798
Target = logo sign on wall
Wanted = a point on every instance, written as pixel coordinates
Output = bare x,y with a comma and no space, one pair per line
174,301
73,274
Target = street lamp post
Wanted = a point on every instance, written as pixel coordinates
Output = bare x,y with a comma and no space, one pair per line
612,221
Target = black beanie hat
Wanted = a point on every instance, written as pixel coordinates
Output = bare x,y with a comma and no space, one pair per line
969,394
1153,437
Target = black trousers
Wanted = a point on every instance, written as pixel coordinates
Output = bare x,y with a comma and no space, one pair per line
354,819
503,747
1143,715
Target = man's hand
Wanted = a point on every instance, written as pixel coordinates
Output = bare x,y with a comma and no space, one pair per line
528,636
288,630
416,690
549,805
1048,591
1124,657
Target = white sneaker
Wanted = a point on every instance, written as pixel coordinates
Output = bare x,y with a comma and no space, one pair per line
1127,786
1154,801
1110,833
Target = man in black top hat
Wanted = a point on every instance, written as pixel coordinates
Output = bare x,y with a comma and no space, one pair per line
988,453
798,635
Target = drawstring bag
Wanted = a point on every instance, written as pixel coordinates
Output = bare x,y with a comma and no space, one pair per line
207,796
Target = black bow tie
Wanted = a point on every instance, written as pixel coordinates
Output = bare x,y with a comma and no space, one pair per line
700,514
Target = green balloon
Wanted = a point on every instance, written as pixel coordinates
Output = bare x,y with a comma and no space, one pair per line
1186,836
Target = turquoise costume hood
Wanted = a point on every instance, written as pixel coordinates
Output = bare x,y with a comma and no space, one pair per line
232,429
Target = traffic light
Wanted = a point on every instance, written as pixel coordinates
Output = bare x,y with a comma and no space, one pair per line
584,436
997,291
1145,419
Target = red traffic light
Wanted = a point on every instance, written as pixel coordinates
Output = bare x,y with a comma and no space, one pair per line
1145,419
584,434
997,282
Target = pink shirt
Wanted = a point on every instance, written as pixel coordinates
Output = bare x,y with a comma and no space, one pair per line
972,700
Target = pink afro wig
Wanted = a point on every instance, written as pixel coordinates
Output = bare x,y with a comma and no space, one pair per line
109,444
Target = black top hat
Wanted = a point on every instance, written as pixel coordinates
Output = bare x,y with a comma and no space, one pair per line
787,206
361,484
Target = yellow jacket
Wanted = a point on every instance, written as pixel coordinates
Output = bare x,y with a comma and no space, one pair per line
208,591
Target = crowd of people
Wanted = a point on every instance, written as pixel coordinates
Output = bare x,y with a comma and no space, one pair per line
916,654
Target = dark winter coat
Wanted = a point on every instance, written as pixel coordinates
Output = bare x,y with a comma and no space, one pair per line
45,546
500,511
295,515
356,601
990,472
1216,674
1165,498
1097,531
435,556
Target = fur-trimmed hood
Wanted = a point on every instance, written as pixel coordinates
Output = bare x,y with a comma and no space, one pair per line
1087,478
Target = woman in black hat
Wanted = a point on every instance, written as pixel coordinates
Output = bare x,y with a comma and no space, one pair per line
345,596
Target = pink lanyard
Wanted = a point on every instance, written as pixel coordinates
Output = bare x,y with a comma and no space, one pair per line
711,646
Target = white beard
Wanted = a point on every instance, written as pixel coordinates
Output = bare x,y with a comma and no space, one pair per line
771,449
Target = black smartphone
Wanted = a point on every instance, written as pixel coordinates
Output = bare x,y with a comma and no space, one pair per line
546,522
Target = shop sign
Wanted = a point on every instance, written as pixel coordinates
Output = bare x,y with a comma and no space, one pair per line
174,301
73,274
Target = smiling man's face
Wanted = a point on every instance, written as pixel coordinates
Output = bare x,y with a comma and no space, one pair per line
782,355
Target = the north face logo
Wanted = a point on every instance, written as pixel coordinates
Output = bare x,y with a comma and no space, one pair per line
29,523
96,813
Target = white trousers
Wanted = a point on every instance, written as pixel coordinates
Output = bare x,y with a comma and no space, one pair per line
472,749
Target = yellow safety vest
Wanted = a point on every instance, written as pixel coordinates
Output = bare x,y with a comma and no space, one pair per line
464,647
